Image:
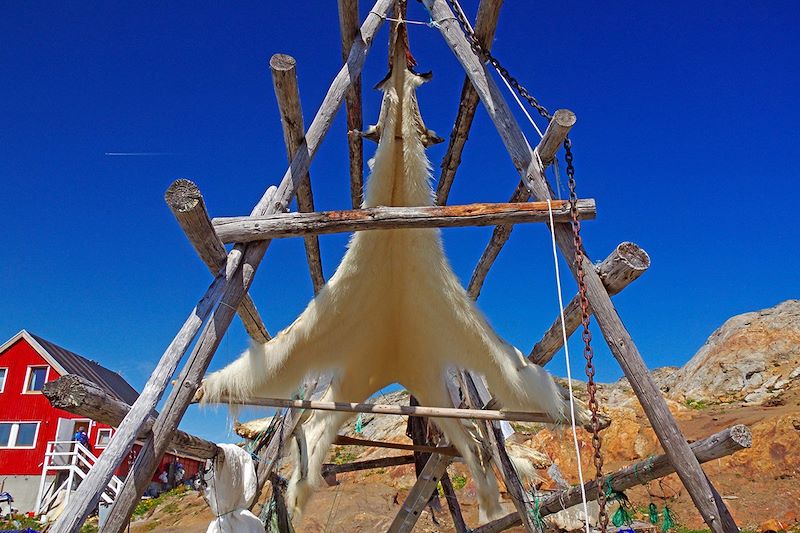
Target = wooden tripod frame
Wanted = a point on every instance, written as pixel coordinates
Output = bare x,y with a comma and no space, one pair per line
234,272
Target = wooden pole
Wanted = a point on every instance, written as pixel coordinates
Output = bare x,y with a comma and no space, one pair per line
348,26
625,264
80,396
404,410
419,494
186,203
485,25
284,80
228,289
477,395
619,340
248,229
554,136
722,444
356,466
344,440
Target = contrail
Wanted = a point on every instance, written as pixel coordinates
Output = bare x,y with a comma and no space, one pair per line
138,153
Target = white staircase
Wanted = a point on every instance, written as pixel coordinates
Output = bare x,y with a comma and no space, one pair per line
75,460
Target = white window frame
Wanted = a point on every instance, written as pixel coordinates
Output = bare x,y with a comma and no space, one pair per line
28,377
12,437
103,431
5,378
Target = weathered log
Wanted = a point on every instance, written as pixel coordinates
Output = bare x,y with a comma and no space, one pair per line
554,136
348,27
227,291
186,203
625,264
404,410
478,395
485,26
722,444
248,229
344,440
369,464
284,80
418,496
712,508
80,396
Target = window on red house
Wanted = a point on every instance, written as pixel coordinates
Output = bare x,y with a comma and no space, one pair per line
37,375
3,372
18,434
103,437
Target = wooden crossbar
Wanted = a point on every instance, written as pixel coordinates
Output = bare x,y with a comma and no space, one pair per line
248,229
404,410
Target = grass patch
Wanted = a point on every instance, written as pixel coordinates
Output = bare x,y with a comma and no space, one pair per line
459,481
698,405
342,456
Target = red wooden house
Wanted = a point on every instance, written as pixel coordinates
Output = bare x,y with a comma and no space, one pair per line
31,428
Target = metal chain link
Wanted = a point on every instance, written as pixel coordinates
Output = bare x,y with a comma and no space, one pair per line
588,353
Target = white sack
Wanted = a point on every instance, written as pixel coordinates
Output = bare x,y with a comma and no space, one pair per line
231,486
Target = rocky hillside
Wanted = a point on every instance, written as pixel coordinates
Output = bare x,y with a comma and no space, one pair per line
753,357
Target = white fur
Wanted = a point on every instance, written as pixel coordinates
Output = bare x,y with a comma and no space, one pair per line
394,311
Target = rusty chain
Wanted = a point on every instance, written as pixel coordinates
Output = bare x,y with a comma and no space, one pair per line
588,353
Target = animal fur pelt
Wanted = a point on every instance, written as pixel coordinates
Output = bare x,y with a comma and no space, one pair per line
394,312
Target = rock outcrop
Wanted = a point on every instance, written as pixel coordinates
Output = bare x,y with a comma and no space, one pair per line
753,357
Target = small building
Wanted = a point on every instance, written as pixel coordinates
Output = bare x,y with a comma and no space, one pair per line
37,453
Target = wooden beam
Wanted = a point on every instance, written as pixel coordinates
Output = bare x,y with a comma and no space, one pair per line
282,225
344,440
218,304
357,466
404,410
619,340
625,264
80,396
186,202
284,80
348,27
419,494
722,444
478,395
485,25
554,136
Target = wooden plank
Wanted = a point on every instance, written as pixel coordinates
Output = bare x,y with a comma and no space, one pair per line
478,395
344,440
404,410
452,504
284,80
227,290
619,340
369,464
722,444
348,27
420,493
623,266
248,229
485,25
554,136
186,202
80,396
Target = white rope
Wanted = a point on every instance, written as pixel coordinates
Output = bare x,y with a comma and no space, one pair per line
519,103
569,372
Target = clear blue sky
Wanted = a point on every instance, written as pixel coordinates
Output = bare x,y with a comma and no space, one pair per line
687,137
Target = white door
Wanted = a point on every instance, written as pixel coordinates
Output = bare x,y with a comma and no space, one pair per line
64,433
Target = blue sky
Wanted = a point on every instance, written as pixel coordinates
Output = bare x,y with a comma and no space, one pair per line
687,137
